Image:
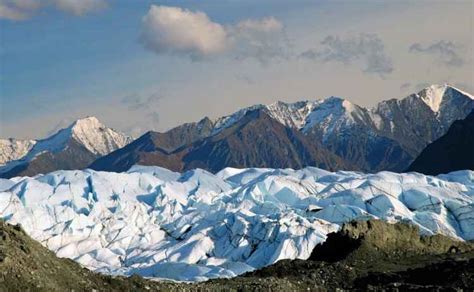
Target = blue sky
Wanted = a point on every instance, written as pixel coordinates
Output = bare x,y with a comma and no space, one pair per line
60,63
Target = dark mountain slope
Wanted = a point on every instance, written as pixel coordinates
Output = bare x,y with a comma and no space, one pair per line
453,151
73,156
371,152
183,135
256,140
145,150
386,137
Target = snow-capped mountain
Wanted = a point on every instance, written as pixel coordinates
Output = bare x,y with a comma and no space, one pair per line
254,139
74,147
331,133
421,118
13,149
96,137
386,137
197,225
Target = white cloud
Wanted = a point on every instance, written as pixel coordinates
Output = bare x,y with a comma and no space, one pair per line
174,30
25,9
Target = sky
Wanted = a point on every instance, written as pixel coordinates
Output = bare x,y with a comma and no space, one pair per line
151,65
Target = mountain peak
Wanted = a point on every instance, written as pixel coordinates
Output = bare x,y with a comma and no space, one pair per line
433,95
87,119
89,122
96,137
338,104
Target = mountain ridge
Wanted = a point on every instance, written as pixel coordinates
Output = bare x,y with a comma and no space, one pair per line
234,146
387,136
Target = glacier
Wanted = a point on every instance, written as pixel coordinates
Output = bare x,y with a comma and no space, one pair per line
196,225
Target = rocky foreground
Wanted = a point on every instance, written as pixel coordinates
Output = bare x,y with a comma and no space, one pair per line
370,255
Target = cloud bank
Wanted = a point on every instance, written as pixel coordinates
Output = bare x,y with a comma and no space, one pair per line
25,9
445,51
177,31
366,50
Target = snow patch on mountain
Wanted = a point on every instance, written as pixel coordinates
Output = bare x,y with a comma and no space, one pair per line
96,137
433,96
291,115
300,115
331,115
227,121
334,113
196,226
13,149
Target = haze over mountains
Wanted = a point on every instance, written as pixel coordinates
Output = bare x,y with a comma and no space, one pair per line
331,133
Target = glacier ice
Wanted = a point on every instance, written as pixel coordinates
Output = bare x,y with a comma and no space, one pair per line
197,225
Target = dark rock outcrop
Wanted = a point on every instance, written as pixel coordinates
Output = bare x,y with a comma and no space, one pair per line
454,151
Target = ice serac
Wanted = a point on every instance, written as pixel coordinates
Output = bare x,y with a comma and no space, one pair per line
74,147
197,225
13,149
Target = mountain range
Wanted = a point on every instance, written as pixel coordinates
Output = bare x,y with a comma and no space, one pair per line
254,139
331,133
388,136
